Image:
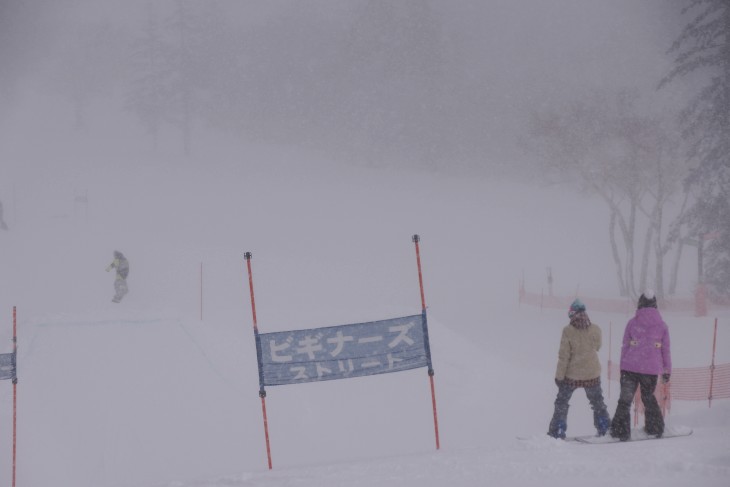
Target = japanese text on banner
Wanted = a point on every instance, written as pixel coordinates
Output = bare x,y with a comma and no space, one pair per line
344,351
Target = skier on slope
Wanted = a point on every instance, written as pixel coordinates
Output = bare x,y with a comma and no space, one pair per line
579,367
121,264
645,355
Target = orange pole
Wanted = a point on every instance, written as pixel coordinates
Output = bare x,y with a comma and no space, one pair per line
435,413
15,393
610,327
417,239
712,366
262,391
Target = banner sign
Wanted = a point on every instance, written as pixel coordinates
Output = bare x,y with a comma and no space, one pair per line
7,366
339,352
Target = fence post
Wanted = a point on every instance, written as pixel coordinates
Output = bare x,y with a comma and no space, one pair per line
15,393
712,365
201,291
610,364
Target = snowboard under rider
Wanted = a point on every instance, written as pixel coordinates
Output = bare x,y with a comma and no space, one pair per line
121,264
579,367
645,355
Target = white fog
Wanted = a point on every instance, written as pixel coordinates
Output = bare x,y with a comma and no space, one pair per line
321,136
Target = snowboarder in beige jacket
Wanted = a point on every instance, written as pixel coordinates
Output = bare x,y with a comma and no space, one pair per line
579,367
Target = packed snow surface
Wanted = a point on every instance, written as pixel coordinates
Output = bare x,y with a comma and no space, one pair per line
162,389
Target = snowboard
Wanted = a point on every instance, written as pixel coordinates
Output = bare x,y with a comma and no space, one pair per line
637,434
541,437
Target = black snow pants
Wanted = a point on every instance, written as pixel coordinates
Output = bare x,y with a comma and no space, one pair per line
559,422
654,421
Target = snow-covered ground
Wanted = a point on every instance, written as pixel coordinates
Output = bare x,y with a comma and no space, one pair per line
149,393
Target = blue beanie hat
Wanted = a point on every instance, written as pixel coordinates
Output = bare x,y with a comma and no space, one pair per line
575,307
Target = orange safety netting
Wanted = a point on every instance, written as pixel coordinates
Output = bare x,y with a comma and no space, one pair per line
625,305
686,384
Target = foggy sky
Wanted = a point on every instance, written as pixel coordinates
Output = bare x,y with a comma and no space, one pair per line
513,57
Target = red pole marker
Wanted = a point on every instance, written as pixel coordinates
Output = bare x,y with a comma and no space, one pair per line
416,240
262,391
610,364
15,394
712,365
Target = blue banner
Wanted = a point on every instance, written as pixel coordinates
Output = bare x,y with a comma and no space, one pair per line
339,352
7,366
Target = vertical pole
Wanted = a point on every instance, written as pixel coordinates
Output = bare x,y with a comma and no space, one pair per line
610,364
701,291
417,239
522,288
15,392
712,366
550,281
15,208
262,391
666,398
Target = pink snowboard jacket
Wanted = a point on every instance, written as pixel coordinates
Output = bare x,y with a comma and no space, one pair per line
645,347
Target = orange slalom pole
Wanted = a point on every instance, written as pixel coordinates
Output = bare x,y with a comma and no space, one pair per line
416,240
712,366
610,327
15,393
262,391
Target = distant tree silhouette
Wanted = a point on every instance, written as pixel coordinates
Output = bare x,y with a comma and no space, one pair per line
702,50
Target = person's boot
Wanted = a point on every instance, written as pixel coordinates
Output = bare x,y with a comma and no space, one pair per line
603,424
557,431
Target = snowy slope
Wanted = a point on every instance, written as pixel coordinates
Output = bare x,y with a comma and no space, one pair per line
147,393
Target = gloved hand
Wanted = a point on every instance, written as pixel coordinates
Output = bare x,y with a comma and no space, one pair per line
558,382
665,378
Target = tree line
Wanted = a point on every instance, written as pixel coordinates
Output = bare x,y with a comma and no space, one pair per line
668,173
386,84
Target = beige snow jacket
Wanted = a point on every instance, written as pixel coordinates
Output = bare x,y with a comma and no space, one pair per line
578,354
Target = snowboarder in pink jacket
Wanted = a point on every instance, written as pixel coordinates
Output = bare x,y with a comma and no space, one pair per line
645,355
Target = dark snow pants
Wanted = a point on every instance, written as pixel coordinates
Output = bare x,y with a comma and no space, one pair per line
559,423
654,421
120,289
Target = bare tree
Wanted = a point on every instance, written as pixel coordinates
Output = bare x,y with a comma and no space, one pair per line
607,149
90,66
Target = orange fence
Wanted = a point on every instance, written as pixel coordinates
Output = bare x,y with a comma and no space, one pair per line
697,304
686,384
625,305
